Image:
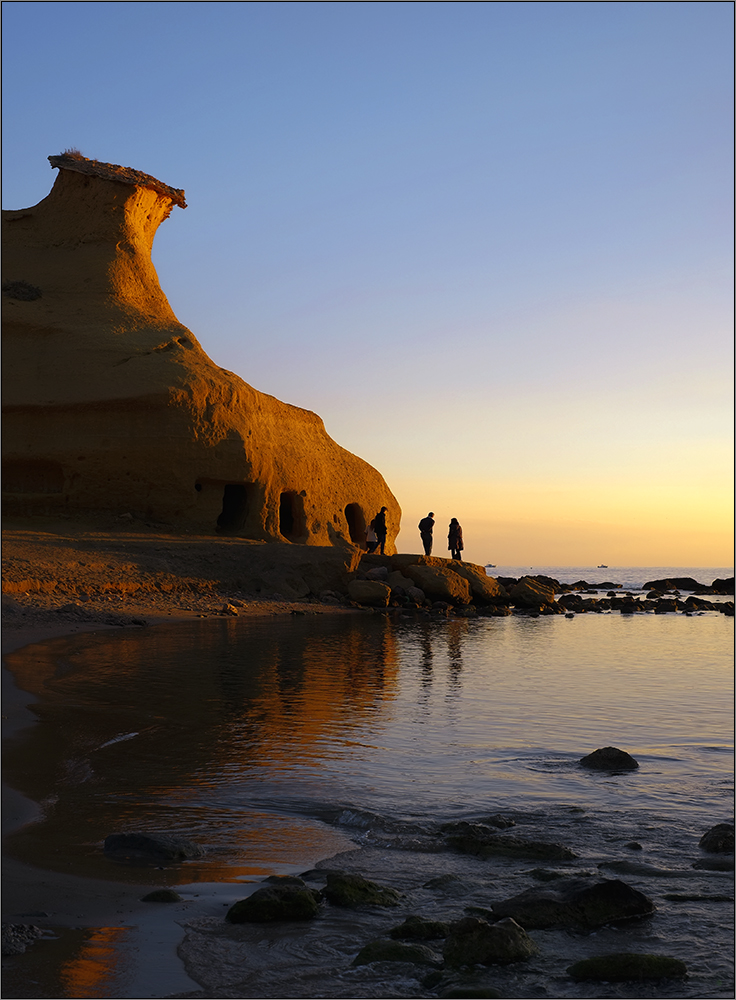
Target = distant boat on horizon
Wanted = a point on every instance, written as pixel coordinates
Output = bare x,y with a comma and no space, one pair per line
602,566
490,565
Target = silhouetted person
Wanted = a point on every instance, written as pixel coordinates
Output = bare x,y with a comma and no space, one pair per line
371,538
455,539
379,526
425,530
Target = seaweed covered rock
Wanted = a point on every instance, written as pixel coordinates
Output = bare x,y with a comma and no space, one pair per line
609,759
293,900
576,903
344,889
627,967
473,941
397,951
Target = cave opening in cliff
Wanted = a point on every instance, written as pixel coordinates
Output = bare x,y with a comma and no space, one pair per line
292,521
356,523
235,506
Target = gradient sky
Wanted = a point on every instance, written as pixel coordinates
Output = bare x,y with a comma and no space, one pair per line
489,243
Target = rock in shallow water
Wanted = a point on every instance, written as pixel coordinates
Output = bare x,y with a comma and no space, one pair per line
719,839
397,951
343,889
609,759
150,847
291,901
481,841
420,929
473,941
627,967
581,903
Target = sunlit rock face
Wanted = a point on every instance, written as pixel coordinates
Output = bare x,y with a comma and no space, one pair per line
111,404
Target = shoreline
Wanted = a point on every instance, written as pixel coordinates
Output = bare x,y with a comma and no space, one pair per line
66,902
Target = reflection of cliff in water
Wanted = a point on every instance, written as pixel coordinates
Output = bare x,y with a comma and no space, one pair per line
164,729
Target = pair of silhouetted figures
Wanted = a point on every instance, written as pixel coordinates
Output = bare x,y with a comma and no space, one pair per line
454,536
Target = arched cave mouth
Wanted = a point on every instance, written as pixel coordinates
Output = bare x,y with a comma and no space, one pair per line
356,523
292,520
236,505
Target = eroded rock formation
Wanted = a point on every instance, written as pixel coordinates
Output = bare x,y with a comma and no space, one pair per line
111,404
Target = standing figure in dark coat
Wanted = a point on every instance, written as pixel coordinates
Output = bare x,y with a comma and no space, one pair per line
455,539
379,526
425,530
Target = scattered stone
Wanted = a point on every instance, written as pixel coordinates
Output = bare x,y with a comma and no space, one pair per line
145,848
343,889
473,941
371,592
627,967
293,900
576,903
162,896
609,759
229,609
634,845
420,929
397,951
17,937
719,839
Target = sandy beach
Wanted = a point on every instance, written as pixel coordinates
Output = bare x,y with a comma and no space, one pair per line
60,578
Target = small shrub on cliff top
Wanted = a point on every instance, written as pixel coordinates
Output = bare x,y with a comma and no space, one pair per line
74,154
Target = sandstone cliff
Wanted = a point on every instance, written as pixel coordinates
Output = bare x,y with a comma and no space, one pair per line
111,404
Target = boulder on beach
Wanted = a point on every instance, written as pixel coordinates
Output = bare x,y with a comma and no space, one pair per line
609,759
719,839
145,848
581,903
673,583
344,889
291,900
370,592
484,588
627,967
530,592
440,582
473,941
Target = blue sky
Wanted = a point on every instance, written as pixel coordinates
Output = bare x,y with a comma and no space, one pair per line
489,243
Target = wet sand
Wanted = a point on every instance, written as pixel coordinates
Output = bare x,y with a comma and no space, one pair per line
51,899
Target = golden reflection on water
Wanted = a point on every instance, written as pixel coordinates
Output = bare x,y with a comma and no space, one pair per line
98,964
141,729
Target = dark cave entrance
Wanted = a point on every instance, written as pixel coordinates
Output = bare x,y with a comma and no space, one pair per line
356,523
292,521
235,506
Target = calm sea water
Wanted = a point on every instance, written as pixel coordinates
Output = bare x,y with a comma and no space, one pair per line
279,744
